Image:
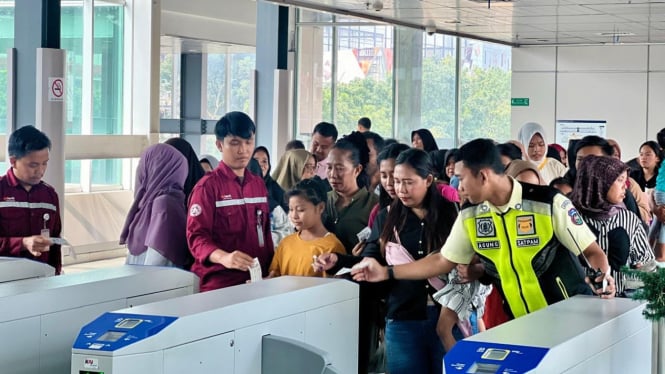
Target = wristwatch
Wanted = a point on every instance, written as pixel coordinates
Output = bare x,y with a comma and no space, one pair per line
391,273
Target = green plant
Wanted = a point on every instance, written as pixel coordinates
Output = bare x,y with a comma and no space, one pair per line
653,292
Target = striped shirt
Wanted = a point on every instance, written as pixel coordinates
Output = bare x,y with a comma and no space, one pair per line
623,239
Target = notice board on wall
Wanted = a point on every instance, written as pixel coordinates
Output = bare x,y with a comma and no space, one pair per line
577,129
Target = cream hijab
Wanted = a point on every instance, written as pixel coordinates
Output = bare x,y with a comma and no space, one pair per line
290,167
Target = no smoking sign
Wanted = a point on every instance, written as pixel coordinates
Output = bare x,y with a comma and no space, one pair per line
56,89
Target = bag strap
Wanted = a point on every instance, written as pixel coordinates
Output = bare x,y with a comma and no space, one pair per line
397,236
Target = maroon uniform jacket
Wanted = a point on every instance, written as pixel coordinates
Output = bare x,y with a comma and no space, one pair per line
22,214
231,215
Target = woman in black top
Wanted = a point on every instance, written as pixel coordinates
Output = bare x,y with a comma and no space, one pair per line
422,220
650,158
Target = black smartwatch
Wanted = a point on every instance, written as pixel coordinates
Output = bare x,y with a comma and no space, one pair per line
391,273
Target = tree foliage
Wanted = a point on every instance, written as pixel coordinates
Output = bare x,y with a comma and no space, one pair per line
484,108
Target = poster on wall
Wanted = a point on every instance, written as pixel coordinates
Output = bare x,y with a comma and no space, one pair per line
577,129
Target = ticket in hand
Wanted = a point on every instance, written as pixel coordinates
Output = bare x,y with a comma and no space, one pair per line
255,274
59,241
363,235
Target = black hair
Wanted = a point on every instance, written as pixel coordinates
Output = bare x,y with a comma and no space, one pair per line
656,149
574,146
389,141
377,139
312,190
25,140
439,164
429,144
510,150
558,181
480,154
294,144
452,154
235,124
440,215
661,138
326,129
553,153
356,145
365,122
594,141
388,153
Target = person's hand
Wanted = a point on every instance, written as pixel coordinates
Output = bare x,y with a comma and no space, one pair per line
234,260
609,290
369,270
272,274
470,273
324,262
358,249
36,244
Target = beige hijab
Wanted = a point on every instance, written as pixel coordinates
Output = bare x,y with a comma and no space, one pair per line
290,167
518,166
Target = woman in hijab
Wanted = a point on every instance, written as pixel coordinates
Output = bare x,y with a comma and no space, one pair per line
524,171
598,195
154,230
294,166
275,191
208,163
532,136
423,139
196,172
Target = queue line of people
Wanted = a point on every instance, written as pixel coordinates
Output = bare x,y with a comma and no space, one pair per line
430,225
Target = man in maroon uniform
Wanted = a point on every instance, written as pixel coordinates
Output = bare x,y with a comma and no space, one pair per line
228,223
29,208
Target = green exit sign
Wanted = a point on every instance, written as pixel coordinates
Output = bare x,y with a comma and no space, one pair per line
519,101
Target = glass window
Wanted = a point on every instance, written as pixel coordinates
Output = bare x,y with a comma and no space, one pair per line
216,86
484,90
438,88
107,71
314,83
6,42
364,69
106,100
169,85
71,39
106,172
229,83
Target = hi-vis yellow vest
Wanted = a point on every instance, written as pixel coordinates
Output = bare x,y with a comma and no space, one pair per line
517,247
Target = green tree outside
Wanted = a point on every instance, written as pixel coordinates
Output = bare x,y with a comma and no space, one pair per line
484,108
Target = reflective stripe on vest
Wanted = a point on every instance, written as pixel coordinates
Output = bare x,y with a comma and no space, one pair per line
247,200
513,242
23,204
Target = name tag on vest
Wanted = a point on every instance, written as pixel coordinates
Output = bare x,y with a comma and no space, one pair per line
493,244
530,242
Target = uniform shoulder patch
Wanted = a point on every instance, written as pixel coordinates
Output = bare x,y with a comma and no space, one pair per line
195,210
575,217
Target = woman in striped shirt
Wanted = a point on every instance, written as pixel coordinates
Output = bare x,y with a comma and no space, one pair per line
598,194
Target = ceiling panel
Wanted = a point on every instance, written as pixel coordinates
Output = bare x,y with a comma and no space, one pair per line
516,22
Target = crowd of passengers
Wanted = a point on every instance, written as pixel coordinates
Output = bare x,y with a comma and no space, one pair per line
443,243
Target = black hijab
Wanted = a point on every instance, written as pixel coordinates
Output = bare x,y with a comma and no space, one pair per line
275,192
196,172
429,144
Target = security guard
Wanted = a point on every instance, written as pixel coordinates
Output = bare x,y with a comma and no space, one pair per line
527,237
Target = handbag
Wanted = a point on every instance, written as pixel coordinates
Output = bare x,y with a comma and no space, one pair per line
396,254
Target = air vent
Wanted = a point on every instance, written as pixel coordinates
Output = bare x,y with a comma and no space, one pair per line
616,33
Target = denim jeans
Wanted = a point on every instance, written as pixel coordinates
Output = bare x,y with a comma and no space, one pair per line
413,347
